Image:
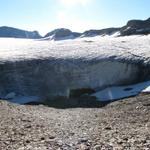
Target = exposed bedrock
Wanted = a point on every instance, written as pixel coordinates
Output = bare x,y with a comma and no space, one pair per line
46,78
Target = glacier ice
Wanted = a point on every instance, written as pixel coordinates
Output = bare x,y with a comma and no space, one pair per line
50,68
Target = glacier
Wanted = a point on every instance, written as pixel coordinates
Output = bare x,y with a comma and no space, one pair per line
42,68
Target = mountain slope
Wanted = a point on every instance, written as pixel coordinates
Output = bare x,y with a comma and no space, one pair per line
61,33
134,27
18,33
102,32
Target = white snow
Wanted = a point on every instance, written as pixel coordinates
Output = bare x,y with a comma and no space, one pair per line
116,34
10,95
53,38
118,92
132,48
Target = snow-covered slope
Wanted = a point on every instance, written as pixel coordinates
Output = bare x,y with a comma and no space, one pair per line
102,32
18,33
135,27
48,68
134,48
61,34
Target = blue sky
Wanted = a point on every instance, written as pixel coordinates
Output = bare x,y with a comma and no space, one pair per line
77,15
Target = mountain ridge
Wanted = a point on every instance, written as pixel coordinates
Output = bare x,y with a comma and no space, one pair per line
6,31
133,27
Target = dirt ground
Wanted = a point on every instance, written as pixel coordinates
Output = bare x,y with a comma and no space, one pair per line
120,125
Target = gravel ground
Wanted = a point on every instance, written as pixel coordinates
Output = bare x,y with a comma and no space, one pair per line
121,125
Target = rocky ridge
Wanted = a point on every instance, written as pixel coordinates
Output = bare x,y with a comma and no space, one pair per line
18,33
133,27
61,34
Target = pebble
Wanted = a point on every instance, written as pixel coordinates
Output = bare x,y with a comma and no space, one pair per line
108,128
97,147
83,147
83,140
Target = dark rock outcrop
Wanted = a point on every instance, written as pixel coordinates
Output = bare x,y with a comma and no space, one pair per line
62,33
18,33
134,27
103,32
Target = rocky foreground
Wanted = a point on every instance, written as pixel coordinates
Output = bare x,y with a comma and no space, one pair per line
121,125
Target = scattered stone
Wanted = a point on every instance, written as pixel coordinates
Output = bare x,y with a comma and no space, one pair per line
42,138
83,140
108,128
35,127
97,147
28,126
51,137
83,147
120,141
27,141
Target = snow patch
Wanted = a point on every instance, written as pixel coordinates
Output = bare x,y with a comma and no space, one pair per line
10,95
119,92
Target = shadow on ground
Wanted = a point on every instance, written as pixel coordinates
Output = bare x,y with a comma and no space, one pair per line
64,103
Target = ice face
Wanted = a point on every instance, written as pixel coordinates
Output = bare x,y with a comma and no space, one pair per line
41,68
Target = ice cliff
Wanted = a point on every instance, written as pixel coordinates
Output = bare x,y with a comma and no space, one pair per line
44,68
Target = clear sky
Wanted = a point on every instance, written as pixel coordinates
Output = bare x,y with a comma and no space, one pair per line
77,15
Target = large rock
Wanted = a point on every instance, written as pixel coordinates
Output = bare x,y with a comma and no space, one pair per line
18,33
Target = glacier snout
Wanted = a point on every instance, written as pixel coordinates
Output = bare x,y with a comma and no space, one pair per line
46,78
